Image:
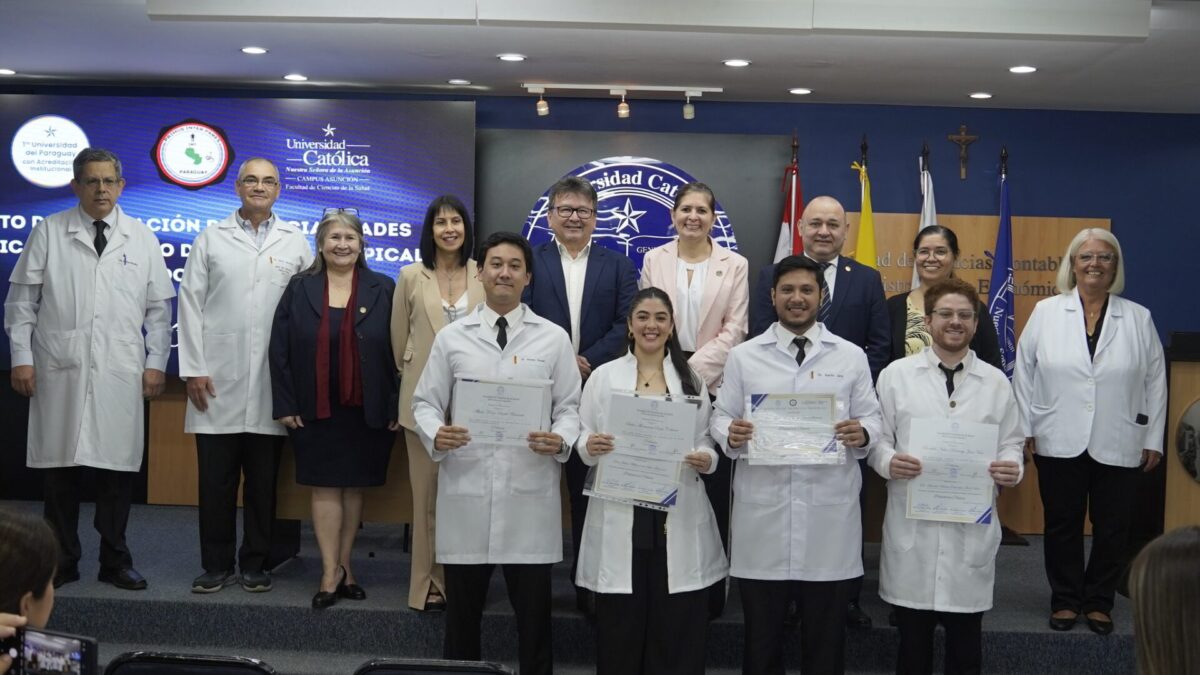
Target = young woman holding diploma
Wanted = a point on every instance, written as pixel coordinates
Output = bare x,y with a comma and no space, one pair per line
650,569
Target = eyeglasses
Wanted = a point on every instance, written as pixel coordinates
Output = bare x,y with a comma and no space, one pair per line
94,183
337,209
939,252
582,211
948,314
253,181
1103,258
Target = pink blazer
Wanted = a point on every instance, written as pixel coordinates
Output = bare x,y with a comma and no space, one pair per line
724,309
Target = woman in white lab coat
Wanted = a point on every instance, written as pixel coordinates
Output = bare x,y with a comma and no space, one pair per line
650,569
1091,387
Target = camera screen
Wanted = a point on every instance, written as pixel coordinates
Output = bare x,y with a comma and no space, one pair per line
52,654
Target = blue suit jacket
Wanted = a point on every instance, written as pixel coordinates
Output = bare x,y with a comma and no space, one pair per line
859,313
293,350
608,287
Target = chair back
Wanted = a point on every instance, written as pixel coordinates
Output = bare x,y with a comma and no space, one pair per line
159,663
430,667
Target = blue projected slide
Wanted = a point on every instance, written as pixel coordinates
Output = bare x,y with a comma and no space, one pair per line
181,156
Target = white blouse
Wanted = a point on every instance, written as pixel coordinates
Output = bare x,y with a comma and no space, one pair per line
456,311
688,297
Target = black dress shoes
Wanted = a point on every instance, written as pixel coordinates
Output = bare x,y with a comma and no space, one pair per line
1063,623
127,578
63,577
324,599
856,617
1100,626
351,591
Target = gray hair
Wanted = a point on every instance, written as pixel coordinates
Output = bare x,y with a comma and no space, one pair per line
242,167
327,223
89,155
1066,281
573,185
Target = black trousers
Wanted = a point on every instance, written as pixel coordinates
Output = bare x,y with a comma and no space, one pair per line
1071,487
223,459
114,491
964,641
529,593
650,631
822,607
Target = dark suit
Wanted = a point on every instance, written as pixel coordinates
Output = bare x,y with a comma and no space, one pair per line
859,313
608,287
985,344
293,347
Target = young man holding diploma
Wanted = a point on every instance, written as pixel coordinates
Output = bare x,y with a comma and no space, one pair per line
796,528
497,503
939,565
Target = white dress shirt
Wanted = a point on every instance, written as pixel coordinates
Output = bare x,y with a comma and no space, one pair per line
925,564
830,273
798,523
574,274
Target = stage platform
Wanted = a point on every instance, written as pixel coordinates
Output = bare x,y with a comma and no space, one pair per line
281,628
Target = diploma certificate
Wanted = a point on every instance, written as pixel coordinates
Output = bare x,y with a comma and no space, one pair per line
631,479
657,427
794,429
954,485
500,412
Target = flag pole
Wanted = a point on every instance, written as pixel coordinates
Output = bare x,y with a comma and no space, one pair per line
795,146
1003,161
925,155
863,149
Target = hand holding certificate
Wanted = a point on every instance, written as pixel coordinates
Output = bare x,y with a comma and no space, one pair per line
794,429
649,437
954,484
500,412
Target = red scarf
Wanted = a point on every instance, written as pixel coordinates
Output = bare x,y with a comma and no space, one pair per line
349,370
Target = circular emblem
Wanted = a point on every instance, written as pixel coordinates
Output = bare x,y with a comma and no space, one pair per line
44,148
633,212
192,154
1187,439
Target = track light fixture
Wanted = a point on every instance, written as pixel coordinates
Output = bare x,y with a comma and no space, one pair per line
543,108
622,108
689,110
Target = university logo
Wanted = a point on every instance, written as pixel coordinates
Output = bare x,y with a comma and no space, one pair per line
633,214
192,154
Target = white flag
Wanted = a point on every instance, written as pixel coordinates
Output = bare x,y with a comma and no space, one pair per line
928,212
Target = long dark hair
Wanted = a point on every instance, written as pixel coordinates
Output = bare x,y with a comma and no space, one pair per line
687,376
28,556
428,248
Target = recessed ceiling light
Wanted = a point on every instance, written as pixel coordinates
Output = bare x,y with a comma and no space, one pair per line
981,95
1022,70
295,77
458,83
514,58
7,71
254,50
800,91
736,63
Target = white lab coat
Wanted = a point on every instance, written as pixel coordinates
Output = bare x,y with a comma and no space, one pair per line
226,303
797,523
695,557
945,567
502,506
86,319
1070,402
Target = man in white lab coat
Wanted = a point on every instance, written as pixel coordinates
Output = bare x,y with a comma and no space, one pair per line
933,571
499,505
796,531
88,282
234,276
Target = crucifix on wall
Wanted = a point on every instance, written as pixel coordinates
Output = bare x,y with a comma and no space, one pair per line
962,139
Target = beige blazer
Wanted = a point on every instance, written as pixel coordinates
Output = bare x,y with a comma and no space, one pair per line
417,316
724,309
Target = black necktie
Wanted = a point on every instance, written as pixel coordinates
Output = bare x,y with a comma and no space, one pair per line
949,373
101,240
502,334
826,298
800,342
